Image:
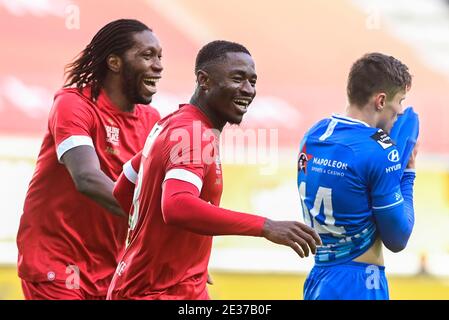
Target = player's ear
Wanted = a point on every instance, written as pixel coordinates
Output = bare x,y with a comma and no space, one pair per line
202,78
114,63
380,101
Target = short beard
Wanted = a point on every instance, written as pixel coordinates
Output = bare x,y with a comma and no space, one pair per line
130,86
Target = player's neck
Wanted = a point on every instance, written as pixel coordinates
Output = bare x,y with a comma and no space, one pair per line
117,97
363,114
198,102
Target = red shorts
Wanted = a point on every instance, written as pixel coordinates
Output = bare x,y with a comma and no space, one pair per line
54,290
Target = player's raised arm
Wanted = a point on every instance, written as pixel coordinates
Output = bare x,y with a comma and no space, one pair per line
395,222
352,185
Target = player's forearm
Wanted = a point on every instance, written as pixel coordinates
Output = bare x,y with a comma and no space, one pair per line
395,224
186,210
98,187
408,180
123,192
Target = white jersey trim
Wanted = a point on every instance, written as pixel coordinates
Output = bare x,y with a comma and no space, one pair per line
129,172
348,120
329,130
388,206
184,175
72,142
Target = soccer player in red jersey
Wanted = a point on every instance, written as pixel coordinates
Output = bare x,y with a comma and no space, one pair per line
179,185
72,230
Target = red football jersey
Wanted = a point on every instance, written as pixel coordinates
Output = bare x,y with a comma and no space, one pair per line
62,230
168,259
146,271
124,187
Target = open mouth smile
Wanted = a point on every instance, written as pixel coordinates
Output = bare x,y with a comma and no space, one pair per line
242,104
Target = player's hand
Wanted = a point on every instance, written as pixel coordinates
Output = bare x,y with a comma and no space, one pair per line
411,161
294,234
209,279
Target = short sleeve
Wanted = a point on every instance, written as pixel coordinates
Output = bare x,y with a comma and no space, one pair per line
191,152
131,167
70,122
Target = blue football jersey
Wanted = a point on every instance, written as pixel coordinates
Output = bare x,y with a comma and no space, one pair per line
405,132
345,170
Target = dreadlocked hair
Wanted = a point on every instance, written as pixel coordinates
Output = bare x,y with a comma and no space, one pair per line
90,66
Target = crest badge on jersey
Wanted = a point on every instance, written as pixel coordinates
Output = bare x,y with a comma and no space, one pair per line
112,135
383,139
303,159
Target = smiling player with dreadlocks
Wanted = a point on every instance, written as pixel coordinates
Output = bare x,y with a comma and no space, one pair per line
72,230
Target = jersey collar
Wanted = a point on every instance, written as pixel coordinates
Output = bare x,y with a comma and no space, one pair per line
348,120
198,111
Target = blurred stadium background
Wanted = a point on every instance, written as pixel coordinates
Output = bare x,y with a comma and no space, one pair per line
303,51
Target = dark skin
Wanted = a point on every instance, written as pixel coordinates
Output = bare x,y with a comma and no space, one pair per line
141,61
224,91
125,86
220,86
84,168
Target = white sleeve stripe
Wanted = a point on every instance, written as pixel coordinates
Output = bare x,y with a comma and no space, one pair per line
72,142
129,172
329,130
390,205
184,175
410,170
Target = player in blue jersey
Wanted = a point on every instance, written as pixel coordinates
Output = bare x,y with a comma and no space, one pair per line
354,189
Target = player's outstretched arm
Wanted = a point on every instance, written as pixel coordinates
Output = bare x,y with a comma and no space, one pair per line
395,224
84,167
181,206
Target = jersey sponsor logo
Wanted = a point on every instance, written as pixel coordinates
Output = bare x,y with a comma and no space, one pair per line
329,166
112,135
303,159
393,156
383,139
330,163
393,168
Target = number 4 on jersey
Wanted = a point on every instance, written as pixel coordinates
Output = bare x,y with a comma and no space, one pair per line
323,198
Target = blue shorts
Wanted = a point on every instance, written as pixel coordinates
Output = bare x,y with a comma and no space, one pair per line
347,281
